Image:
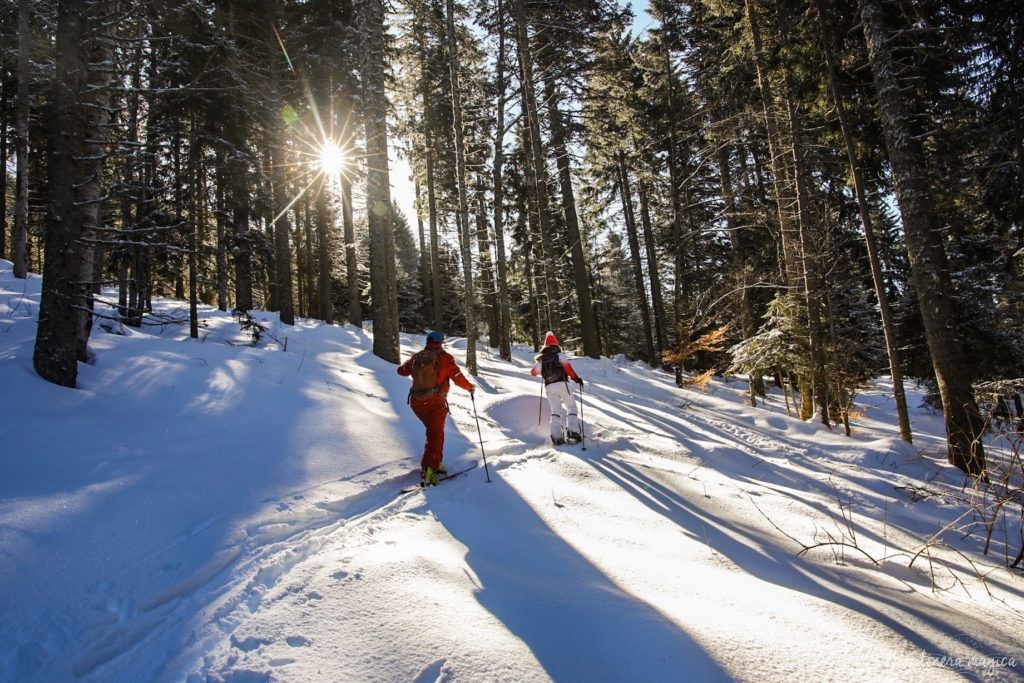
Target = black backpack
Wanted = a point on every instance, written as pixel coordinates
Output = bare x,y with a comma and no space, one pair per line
551,367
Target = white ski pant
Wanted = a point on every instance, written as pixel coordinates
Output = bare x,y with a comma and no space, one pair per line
563,405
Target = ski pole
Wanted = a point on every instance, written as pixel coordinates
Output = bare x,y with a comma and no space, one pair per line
583,425
472,396
540,404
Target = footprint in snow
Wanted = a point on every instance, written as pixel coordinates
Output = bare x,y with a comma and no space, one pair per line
297,641
434,673
250,643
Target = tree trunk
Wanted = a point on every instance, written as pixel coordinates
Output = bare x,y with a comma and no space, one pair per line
739,263
483,240
588,325
323,221
354,306
529,273
436,320
424,264
545,287
193,228
808,268
304,231
929,267
888,327
674,192
4,125
19,240
282,246
778,171
221,218
79,112
504,311
240,227
634,253
652,270
789,237
435,254
460,181
383,271
536,152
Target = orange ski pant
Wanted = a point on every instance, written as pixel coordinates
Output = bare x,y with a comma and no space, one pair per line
432,414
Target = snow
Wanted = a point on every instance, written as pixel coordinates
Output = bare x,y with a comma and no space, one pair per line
208,510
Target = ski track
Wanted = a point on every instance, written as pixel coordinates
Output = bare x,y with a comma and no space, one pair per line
315,537
277,546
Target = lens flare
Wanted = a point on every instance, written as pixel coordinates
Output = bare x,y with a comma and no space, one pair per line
332,159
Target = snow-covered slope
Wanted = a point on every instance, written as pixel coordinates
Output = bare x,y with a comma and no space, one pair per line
208,510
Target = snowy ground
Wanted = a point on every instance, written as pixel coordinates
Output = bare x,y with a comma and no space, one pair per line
211,511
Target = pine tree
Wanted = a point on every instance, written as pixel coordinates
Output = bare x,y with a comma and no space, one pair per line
79,108
927,257
383,280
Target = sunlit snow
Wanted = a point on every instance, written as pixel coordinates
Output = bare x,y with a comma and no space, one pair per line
209,510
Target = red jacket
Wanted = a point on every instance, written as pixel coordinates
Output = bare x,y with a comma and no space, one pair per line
446,370
562,358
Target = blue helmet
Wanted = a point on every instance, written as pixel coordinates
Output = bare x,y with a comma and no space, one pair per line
436,337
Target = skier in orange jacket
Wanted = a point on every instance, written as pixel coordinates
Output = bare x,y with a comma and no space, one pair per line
431,369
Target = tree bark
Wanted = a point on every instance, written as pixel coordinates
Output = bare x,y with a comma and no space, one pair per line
19,240
888,327
778,171
626,195
539,178
383,271
195,212
323,234
808,269
4,125
487,288
309,226
674,192
660,333
581,278
460,181
436,305
435,252
354,306
79,112
279,189
424,262
739,263
221,218
928,262
504,311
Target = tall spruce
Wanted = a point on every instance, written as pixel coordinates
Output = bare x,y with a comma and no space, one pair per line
79,112
460,181
19,238
928,261
383,274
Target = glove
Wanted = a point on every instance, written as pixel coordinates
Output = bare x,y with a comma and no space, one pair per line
579,380
472,388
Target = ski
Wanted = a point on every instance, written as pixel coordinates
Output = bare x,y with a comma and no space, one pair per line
441,478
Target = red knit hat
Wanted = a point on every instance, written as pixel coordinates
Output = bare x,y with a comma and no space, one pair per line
550,339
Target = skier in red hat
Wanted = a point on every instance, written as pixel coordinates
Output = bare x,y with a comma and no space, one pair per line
431,369
556,370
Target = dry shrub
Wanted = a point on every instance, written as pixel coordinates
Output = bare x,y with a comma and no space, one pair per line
699,382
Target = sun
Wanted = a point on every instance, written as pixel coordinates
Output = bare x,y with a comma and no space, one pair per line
332,159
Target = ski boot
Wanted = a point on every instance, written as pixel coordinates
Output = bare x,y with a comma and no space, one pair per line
428,477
